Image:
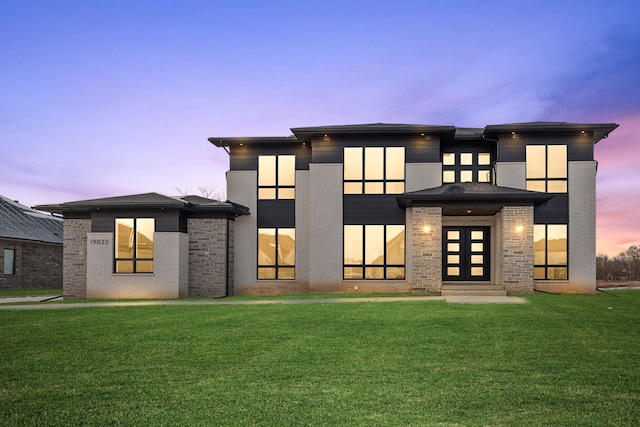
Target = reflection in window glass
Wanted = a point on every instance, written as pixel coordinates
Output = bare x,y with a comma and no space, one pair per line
449,159
374,170
536,161
466,159
448,177
134,248
353,163
374,251
484,158
466,176
276,253
557,161
9,261
484,176
550,254
374,161
276,177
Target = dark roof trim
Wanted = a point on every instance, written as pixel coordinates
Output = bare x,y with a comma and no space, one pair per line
305,134
222,142
598,130
148,201
471,193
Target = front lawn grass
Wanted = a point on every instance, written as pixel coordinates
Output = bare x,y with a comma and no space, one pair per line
8,293
559,360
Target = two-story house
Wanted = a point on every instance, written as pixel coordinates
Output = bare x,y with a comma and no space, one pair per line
370,208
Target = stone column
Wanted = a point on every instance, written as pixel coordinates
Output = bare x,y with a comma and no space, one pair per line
426,249
517,249
74,254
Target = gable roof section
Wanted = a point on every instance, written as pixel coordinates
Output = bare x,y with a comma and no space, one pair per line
148,201
21,222
471,193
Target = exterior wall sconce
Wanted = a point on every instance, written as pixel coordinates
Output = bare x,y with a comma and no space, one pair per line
426,229
519,228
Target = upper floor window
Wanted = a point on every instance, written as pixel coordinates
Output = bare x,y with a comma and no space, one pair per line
373,170
276,253
466,167
277,177
550,251
374,252
547,168
134,245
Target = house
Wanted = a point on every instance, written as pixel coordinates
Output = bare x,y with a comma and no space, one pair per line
370,208
30,247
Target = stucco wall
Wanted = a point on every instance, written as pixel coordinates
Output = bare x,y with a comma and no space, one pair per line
169,279
511,174
423,175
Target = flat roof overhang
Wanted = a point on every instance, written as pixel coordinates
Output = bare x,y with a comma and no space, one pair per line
471,198
306,134
597,131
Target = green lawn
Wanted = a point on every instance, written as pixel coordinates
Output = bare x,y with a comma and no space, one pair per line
559,360
29,292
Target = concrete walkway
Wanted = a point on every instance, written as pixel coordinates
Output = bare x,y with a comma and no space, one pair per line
80,304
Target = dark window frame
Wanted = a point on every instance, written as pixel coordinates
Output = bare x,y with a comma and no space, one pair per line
134,259
384,179
277,186
546,178
457,168
384,265
546,264
275,266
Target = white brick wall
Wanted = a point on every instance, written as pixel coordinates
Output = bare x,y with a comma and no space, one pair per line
169,279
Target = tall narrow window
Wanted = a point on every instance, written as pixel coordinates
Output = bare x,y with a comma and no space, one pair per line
547,168
374,170
471,166
9,261
550,252
277,177
374,252
276,253
134,245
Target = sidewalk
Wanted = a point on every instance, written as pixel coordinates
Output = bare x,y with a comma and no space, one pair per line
449,299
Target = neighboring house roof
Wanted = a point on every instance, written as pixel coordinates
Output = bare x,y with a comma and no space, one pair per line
463,197
148,201
21,222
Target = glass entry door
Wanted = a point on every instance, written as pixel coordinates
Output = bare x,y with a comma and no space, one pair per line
466,254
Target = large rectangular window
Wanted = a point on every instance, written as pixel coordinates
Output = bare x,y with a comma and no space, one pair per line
373,170
374,252
469,166
550,252
276,253
9,261
277,177
134,245
547,168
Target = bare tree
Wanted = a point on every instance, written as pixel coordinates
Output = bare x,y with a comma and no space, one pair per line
208,192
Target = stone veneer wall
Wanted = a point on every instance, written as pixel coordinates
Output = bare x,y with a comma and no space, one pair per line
208,257
517,249
37,265
74,274
426,248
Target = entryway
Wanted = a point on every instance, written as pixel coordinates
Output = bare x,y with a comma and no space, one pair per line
466,254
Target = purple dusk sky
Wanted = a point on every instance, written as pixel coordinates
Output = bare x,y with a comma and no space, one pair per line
106,98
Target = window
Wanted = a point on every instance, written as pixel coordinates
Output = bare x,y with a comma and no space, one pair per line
547,168
134,245
373,170
550,251
276,253
374,252
9,261
466,167
277,177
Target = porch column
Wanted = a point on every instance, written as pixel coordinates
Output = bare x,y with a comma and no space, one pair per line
517,249
426,250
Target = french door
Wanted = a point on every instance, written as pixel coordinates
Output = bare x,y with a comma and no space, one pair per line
466,254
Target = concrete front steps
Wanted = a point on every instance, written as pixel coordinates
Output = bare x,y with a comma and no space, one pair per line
472,289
